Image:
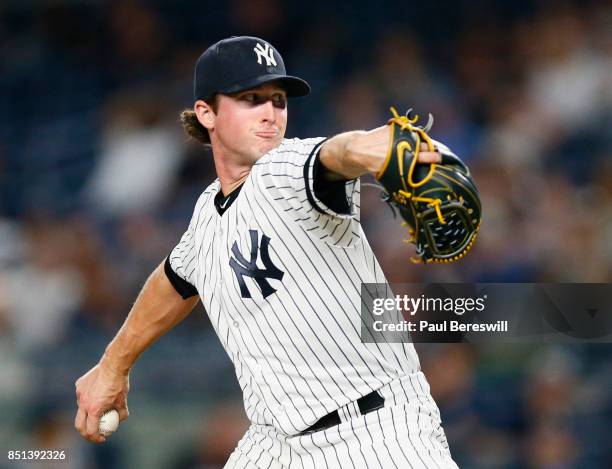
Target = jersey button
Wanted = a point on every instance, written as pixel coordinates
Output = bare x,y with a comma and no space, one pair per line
236,324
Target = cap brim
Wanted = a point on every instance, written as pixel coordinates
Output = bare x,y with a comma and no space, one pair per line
294,86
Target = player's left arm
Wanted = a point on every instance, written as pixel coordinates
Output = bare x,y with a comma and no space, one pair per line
353,154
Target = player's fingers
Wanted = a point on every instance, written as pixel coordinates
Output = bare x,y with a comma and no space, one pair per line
124,413
91,430
429,157
79,421
424,146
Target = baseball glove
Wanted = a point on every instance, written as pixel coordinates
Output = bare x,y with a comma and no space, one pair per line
439,202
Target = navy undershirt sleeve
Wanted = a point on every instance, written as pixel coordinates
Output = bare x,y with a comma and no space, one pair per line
331,193
182,286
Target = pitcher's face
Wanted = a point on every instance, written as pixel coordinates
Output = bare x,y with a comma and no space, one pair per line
252,122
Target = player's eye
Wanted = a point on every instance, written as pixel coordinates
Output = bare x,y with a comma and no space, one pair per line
250,97
279,101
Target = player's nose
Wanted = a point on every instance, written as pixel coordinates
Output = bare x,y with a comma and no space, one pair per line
268,113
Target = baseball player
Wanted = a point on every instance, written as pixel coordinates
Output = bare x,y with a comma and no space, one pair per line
276,253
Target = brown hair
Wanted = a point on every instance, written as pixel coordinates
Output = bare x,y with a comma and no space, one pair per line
191,124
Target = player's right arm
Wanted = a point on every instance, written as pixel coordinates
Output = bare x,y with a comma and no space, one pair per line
158,308
167,297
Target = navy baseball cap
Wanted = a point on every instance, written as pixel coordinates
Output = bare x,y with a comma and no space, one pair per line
240,63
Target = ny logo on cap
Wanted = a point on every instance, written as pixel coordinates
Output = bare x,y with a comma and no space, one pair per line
266,52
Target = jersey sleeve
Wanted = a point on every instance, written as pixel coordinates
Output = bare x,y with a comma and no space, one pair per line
327,210
181,264
182,286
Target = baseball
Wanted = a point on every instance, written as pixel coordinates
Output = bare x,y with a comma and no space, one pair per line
108,422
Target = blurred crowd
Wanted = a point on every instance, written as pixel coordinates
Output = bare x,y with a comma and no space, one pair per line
98,182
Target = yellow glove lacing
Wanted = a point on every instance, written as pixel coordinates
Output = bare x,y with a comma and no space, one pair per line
419,260
420,134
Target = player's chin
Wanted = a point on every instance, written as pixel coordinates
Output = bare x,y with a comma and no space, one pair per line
265,144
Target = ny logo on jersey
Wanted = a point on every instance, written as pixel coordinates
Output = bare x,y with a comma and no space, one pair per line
266,52
243,268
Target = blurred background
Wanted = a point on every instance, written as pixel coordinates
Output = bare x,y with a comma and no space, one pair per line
98,182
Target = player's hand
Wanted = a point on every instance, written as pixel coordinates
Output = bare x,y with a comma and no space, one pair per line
97,391
426,156
380,142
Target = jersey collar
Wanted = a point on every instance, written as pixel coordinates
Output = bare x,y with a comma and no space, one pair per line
222,203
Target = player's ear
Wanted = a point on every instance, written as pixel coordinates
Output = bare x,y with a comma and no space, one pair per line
205,114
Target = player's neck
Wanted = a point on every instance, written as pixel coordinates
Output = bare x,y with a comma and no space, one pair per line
231,174
230,187
232,167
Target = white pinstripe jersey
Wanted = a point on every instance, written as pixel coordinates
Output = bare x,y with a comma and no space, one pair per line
280,274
